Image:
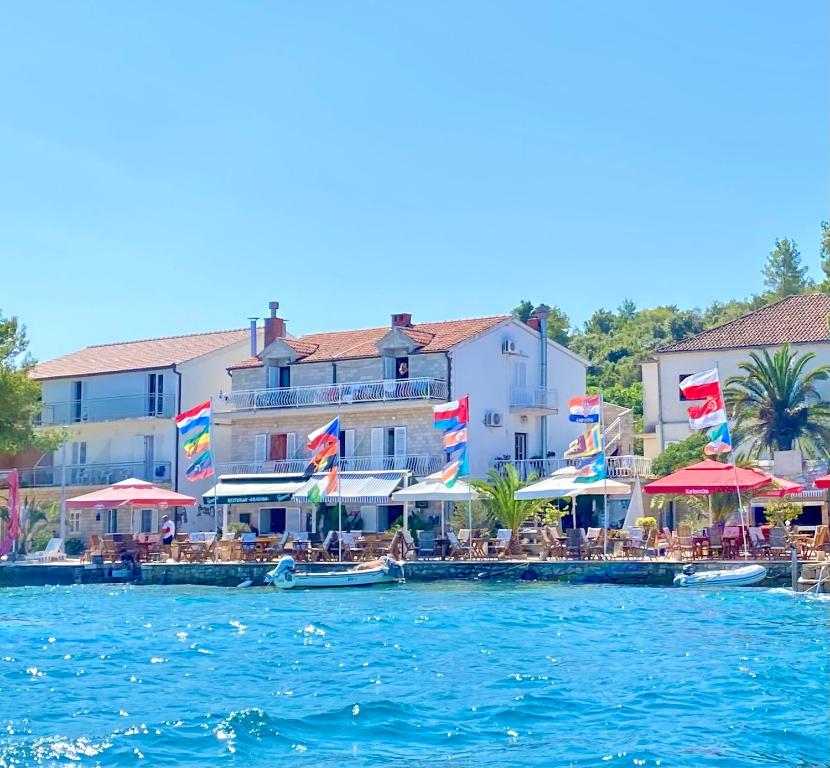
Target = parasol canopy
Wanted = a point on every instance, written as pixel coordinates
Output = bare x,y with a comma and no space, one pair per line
707,477
432,489
779,487
133,492
823,482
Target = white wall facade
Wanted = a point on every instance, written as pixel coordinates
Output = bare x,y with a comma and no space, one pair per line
666,414
481,370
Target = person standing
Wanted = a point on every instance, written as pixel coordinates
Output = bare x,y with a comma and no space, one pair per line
168,531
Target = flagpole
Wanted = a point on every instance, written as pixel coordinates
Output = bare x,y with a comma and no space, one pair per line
216,481
339,492
735,472
604,475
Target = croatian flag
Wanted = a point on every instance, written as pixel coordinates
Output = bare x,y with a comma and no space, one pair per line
701,386
452,414
198,416
584,409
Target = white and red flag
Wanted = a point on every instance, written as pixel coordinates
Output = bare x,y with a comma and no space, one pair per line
704,386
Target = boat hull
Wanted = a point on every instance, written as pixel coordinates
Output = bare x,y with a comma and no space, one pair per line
738,577
339,579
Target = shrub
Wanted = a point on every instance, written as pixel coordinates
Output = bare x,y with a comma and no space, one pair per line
646,523
73,547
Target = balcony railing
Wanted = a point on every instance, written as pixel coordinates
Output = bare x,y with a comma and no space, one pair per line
420,465
533,399
94,474
333,395
617,466
106,409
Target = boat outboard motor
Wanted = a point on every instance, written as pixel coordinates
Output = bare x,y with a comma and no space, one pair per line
689,570
284,572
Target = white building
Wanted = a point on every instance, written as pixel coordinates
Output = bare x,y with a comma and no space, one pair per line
801,321
116,404
383,384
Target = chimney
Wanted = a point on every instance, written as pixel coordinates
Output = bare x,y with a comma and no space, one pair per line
402,320
252,322
533,322
274,326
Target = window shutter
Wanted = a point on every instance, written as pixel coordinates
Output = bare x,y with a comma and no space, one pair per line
400,441
376,445
348,442
388,367
260,447
290,445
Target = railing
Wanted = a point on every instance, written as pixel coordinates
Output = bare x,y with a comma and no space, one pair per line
534,398
419,464
106,409
617,466
94,474
389,390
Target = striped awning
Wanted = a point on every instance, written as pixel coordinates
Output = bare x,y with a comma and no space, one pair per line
354,488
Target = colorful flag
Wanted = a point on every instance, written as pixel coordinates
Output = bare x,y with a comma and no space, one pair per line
452,414
450,473
591,469
197,443
711,413
325,435
314,496
455,439
720,440
198,416
202,467
584,409
701,386
587,444
331,480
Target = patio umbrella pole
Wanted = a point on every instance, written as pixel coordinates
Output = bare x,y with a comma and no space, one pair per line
604,475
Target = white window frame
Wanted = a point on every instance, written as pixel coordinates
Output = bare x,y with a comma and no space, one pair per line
73,521
153,526
389,370
399,445
349,440
111,516
272,376
376,440
290,445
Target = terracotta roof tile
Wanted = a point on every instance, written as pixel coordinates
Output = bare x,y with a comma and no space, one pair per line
136,355
342,345
795,319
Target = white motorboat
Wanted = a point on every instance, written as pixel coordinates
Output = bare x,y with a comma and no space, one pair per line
736,577
384,570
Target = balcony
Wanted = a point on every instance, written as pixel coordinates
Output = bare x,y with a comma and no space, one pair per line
95,474
534,399
334,395
618,467
420,465
97,409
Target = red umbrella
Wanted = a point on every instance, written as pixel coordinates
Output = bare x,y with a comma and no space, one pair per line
133,492
778,487
823,482
708,477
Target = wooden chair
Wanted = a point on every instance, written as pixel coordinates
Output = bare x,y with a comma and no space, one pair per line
247,547
457,549
757,543
778,545
426,543
502,543
323,552
716,542
575,543
111,550
820,540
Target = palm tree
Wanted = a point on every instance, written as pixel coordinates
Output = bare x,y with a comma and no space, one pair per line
776,402
499,492
36,523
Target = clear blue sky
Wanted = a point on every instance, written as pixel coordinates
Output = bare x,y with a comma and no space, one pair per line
170,167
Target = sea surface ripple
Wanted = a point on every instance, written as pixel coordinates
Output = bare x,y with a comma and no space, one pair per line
418,675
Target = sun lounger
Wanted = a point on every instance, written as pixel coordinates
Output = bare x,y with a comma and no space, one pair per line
53,551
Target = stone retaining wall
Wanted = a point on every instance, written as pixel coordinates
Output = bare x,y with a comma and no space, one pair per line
653,573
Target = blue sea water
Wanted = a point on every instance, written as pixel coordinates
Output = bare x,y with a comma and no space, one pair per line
417,675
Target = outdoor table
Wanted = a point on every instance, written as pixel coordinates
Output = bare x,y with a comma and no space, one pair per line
442,547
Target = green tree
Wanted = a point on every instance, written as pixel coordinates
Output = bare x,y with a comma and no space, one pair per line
37,524
776,402
499,494
558,322
783,273
19,395
824,253
679,455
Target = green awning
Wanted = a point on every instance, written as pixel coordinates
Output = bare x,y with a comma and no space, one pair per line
253,489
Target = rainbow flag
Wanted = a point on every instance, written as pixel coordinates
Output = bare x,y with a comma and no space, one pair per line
587,444
590,470
197,443
584,409
198,416
452,414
